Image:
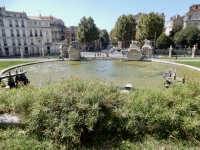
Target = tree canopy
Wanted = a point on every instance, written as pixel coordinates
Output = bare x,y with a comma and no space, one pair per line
87,30
176,28
148,25
187,36
163,41
104,37
124,30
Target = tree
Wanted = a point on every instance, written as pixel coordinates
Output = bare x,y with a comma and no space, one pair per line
112,37
104,38
148,25
176,28
87,31
163,41
125,29
187,36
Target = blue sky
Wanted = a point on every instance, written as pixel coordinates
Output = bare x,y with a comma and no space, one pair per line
104,12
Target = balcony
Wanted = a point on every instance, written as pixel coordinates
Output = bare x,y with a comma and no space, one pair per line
23,25
32,44
25,43
16,25
24,35
4,34
13,44
18,35
48,43
40,35
36,35
12,34
19,44
10,25
31,34
5,44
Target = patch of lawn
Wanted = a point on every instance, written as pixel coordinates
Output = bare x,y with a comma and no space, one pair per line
191,63
5,64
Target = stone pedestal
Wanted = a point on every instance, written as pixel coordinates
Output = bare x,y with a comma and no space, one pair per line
74,52
170,51
134,52
147,49
64,49
193,51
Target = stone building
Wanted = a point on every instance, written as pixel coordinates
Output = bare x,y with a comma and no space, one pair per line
57,28
192,17
70,33
173,21
39,32
13,32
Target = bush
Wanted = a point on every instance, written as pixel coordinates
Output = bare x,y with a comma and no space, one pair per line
74,112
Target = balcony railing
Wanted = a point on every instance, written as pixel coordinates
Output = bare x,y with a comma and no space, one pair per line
19,44
3,34
31,34
24,35
25,43
10,25
13,44
5,44
32,44
36,35
16,25
12,34
48,43
23,25
18,35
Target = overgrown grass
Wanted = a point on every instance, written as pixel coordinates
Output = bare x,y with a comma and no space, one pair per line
191,63
79,114
5,64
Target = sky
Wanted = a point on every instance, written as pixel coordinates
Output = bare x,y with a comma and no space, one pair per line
104,12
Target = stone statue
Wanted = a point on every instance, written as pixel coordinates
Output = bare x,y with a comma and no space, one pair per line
170,51
22,53
63,49
74,51
147,49
134,52
42,51
193,51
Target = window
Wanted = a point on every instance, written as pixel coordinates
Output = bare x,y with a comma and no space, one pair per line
1,23
3,31
35,32
24,40
31,41
197,16
13,40
16,22
190,17
30,22
35,23
22,21
195,24
189,24
47,32
4,41
39,23
11,32
17,32
14,50
23,31
10,22
46,23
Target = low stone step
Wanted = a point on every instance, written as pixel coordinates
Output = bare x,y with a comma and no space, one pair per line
6,119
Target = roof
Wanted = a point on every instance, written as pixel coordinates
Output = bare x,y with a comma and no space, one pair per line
15,12
34,18
49,18
138,15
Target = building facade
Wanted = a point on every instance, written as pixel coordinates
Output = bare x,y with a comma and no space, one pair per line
57,28
39,32
13,32
70,33
173,21
192,18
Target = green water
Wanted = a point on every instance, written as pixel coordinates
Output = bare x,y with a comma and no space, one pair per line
138,73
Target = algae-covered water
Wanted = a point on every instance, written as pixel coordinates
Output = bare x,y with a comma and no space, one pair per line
140,74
